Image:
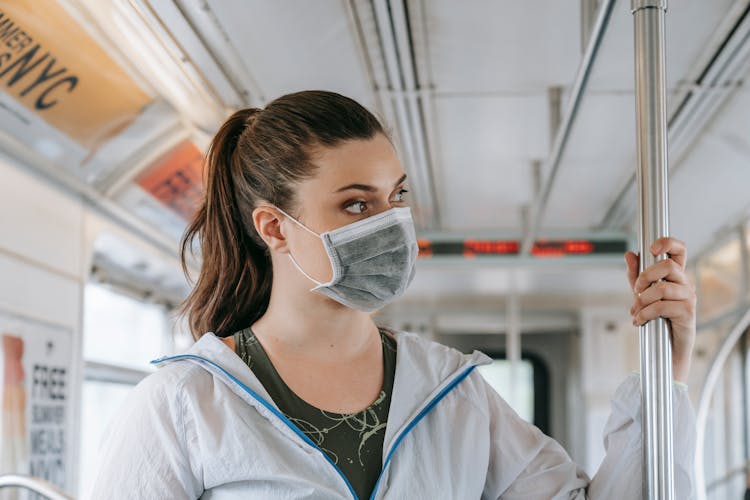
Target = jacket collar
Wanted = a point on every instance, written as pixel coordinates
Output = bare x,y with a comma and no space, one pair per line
423,369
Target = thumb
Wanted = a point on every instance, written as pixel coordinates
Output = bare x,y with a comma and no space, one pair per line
632,261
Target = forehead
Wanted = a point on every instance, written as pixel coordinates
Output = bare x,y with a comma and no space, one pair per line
367,161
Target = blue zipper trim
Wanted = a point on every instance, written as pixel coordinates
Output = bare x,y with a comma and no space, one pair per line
306,439
416,420
273,410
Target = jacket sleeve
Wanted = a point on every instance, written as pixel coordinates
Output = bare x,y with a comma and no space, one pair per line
619,475
524,463
143,454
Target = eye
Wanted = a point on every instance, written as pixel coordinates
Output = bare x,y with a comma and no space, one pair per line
399,197
356,207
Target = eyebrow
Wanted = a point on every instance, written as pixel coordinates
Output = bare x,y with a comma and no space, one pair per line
365,187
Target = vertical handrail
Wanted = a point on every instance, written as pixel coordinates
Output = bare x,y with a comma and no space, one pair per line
655,347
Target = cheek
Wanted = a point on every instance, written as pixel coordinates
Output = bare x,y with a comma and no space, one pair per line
310,254
321,263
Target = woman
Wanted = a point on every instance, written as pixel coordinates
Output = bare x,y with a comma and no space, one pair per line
292,392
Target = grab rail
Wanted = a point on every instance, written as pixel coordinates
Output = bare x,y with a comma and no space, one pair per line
704,402
40,486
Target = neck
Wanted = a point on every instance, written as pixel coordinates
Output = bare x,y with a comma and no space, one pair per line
312,326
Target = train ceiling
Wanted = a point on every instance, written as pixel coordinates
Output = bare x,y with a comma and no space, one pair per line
117,100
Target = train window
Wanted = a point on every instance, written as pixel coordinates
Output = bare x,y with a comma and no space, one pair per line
121,334
720,280
100,400
724,453
516,388
121,330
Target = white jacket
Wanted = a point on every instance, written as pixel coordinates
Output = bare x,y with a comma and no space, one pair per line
202,426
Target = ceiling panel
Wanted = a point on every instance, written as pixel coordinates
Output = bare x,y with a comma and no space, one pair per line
290,45
482,46
487,145
710,188
600,156
689,27
596,164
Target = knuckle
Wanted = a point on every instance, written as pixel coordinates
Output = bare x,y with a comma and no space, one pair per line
674,267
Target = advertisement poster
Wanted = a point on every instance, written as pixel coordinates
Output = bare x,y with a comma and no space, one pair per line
53,67
176,179
35,362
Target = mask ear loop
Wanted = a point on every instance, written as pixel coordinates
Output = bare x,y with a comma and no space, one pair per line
298,222
294,261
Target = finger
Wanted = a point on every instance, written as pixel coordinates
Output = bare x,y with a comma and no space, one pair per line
631,259
663,270
674,248
663,290
674,310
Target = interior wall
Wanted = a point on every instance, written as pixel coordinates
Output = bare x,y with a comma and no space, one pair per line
609,353
586,366
47,239
553,348
42,269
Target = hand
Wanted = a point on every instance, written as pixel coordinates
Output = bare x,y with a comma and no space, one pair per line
672,298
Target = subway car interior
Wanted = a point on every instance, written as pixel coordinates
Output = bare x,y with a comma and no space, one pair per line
515,122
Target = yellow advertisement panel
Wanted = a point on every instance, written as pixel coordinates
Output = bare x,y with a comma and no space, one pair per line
53,67
176,179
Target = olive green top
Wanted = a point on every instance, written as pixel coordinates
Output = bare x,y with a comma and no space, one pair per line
354,442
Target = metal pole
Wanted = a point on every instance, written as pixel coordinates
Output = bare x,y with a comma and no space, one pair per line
588,16
513,341
655,347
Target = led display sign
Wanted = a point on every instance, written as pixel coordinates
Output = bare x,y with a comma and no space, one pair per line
470,248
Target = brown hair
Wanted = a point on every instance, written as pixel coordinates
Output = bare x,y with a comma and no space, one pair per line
257,156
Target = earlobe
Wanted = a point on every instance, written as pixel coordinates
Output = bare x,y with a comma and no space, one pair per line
268,225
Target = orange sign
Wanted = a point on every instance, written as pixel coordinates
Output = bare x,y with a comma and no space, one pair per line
176,179
54,68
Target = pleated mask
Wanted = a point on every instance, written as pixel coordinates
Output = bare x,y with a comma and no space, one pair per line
372,259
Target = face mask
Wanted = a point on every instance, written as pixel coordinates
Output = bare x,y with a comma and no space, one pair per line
372,259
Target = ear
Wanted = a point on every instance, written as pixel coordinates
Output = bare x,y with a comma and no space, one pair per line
267,223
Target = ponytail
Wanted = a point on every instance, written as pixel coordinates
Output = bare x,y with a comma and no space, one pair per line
234,285
257,156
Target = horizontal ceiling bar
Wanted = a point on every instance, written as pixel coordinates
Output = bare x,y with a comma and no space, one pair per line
563,133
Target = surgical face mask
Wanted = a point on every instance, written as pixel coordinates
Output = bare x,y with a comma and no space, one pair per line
372,259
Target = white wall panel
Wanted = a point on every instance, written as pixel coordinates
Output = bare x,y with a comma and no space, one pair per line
38,222
37,293
609,353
